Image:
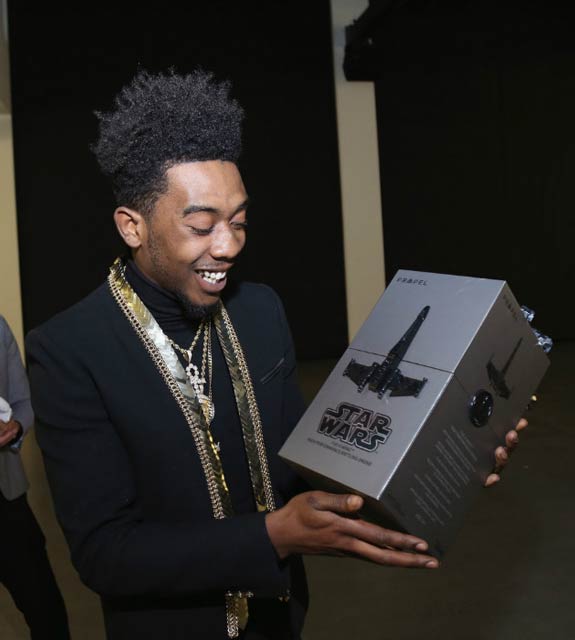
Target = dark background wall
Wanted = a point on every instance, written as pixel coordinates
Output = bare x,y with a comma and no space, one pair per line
476,104
477,144
67,62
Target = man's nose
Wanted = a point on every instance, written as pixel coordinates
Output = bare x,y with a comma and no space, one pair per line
226,243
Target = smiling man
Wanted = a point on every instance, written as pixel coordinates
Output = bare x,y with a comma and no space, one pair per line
197,231
163,397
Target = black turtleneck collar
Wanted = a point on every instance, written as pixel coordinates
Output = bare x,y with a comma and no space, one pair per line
163,305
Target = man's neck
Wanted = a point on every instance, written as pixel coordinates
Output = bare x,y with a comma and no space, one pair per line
163,304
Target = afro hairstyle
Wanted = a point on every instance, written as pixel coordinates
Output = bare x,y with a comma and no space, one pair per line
161,120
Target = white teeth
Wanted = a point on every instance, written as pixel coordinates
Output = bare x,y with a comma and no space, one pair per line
212,276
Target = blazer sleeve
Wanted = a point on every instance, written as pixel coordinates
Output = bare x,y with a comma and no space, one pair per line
293,404
116,551
18,388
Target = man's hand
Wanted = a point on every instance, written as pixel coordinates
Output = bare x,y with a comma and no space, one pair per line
502,453
315,523
8,431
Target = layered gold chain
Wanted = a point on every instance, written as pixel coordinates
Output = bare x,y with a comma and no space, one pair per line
248,411
199,377
164,357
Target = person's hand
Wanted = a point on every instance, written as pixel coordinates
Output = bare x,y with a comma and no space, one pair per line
502,453
315,522
8,431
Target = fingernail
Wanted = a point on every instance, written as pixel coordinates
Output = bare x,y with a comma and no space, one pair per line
432,564
354,502
421,546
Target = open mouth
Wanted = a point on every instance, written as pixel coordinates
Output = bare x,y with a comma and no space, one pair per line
212,280
213,277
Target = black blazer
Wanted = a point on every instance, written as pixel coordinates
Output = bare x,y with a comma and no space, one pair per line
128,487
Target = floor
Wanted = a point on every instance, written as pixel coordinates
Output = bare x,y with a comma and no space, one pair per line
510,575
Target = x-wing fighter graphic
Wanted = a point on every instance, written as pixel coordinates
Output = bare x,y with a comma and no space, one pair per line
497,377
386,376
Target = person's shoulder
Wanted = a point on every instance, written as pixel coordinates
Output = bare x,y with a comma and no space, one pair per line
84,318
257,315
5,331
4,325
252,297
245,288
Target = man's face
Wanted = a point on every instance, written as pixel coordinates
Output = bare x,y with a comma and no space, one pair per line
195,233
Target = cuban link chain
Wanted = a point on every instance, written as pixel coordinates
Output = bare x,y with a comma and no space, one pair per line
166,361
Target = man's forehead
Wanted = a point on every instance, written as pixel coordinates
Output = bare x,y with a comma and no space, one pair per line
211,185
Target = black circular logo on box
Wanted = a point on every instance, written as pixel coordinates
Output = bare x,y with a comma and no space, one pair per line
481,408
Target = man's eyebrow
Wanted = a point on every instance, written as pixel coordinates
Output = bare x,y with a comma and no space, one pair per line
198,208
242,206
202,208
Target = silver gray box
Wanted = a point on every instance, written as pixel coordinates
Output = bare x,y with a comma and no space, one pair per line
421,452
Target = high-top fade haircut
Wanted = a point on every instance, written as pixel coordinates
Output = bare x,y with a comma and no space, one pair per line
160,120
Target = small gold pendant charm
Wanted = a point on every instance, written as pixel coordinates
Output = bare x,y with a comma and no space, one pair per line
208,408
242,604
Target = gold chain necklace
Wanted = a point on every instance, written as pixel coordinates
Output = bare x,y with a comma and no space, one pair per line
164,357
197,377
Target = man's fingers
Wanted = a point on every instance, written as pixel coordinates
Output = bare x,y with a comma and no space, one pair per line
381,537
360,529
7,437
501,458
345,503
9,429
502,454
391,557
512,437
318,522
492,478
511,440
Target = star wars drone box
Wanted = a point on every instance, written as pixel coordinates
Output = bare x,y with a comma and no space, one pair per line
411,415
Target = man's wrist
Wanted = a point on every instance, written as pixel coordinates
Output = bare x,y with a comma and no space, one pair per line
275,529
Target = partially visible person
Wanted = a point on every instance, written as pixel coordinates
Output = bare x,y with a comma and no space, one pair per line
24,567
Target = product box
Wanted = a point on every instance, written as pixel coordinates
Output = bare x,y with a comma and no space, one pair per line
411,415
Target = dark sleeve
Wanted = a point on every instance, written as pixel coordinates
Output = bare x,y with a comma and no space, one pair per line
116,551
293,404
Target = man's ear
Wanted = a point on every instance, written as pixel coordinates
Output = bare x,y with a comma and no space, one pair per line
131,226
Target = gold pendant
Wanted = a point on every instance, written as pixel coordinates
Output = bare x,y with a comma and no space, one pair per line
242,609
208,408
